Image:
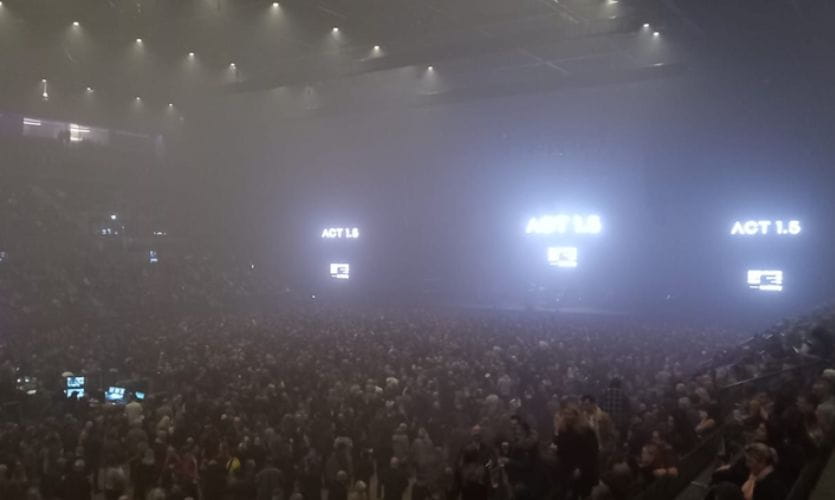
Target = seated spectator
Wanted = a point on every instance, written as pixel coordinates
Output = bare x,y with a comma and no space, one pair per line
656,462
763,483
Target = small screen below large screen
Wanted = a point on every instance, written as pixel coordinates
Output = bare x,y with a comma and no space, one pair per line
565,257
765,280
340,271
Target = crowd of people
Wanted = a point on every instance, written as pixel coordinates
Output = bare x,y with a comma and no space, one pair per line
312,401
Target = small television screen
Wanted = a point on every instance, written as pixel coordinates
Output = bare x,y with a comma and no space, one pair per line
74,391
115,394
75,382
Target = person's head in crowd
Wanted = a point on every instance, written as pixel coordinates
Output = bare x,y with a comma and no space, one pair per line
476,434
823,389
519,425
825,416
649,454
570,419
588,403
806,403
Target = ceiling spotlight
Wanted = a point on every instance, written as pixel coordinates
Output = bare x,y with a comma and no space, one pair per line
138,99
646,25
170,105
89,90
335,29
656,34
232,65
376,48
75,24
191,54
139,40
275,5
430,68
43,80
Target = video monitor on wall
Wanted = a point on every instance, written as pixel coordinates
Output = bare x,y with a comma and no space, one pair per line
340,271
765,280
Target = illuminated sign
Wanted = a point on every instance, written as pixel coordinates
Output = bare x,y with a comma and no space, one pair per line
335,233
562,256
340,271
564,223
765,227
765,280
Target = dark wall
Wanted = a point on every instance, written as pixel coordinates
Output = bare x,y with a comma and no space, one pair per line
442,193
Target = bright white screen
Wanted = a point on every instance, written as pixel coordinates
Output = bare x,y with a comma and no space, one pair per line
765,280
564,223
766,227
562,256
330,233
340,271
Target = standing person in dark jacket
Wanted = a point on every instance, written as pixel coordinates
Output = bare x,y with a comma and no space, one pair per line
394,481
522,460
268,482
76,485
214,481
577,452
475,466
145,475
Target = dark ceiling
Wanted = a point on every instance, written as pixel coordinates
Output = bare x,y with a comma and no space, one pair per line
482,47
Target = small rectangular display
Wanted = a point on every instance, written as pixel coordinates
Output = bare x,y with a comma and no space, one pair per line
115,394
340,271
75,382
565,257
765,280
73,392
